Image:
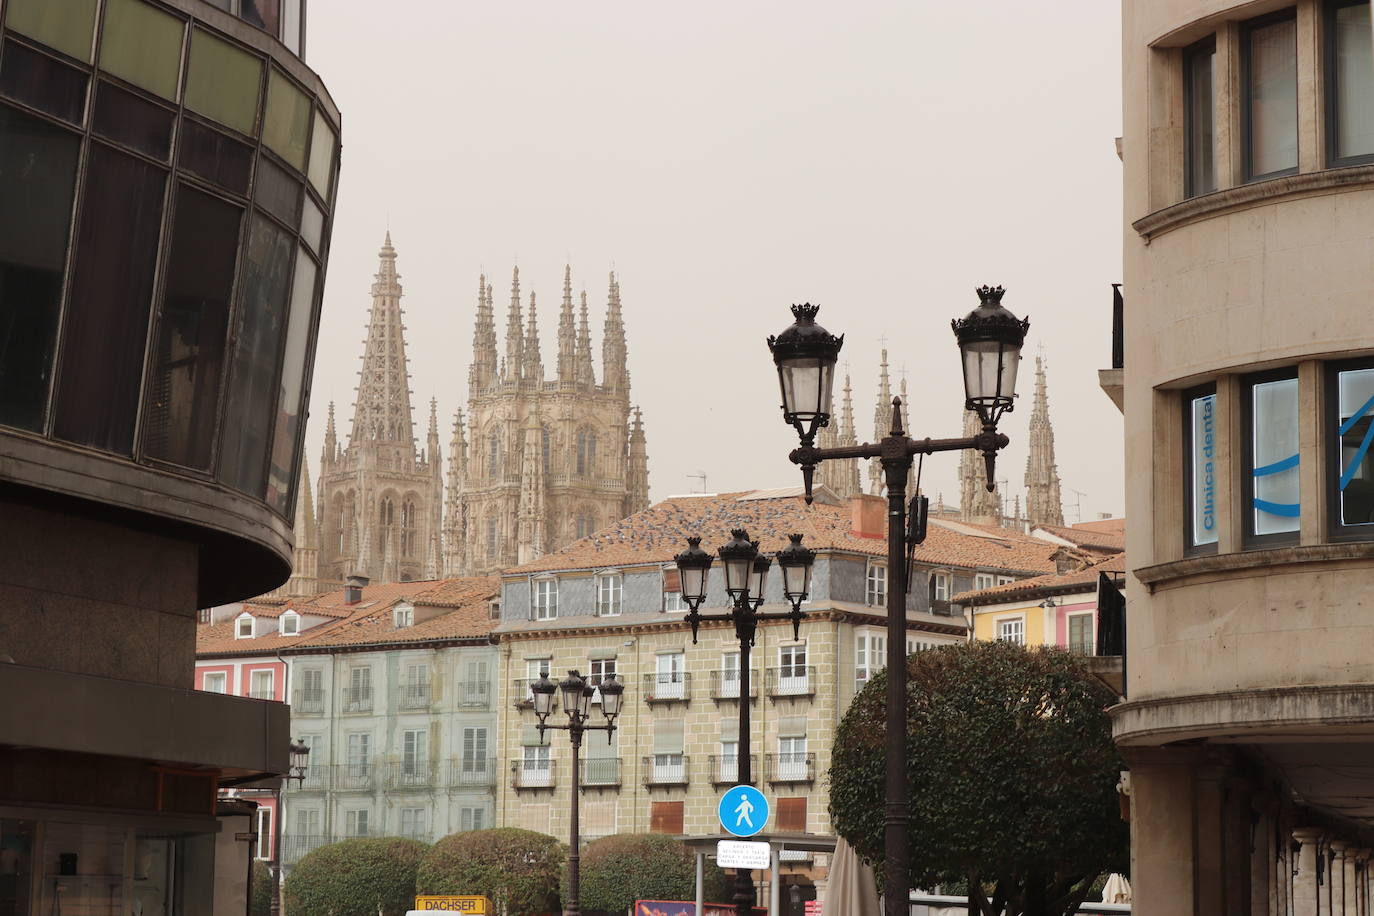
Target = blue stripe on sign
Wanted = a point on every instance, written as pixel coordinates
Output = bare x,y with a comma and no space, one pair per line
1286,464
1358,457
1287,510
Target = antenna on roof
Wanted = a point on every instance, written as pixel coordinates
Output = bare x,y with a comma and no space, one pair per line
699,475
1077,504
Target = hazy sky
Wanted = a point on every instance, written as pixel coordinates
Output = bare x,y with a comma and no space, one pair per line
728,159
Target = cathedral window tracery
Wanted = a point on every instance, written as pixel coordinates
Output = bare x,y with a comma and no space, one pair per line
586,452
494,456
408,529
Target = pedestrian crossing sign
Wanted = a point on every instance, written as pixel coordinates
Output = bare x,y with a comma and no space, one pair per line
743,810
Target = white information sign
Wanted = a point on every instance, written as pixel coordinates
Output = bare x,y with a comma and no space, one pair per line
739,854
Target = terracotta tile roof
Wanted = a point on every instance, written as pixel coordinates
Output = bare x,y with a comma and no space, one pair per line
333,604
1080,580
1088,538
217,639
1108,525
658,533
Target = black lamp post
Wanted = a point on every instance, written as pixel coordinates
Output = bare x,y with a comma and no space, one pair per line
299,757
746,574
577,703
990,339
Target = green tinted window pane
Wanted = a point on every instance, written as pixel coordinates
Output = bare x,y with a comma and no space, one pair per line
223,82
321,154
287,123
142,45
66,26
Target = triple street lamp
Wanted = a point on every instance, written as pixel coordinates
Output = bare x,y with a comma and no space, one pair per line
577,703
746,575
990,340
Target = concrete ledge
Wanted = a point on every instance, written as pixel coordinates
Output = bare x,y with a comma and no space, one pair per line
1180,572
95,715
1110,670
1274,714
1113,385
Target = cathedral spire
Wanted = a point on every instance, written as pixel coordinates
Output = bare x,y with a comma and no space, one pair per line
1043,502
976,503
637,478
482,372
432,440
882,425
534,363
515,333
586,372
530,521
614,353
331,441
567,333
382,412
455,502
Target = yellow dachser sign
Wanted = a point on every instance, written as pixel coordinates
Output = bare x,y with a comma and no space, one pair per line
463,904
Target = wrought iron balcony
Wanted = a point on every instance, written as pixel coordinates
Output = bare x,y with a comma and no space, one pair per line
354,776
665,687
268,694
357,699
474,694
600,772
471,772
790,767
308,702
316,779
725,684
521,695
792,681
410,774
413,696
532,774
725,768
663,770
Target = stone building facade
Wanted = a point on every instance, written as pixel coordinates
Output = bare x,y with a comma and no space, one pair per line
1249,373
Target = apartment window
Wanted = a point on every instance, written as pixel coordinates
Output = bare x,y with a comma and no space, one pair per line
290,624
264,850
870,656
792,758
537,766
983,580
261,687
1199,449
545,599
1081,633
1269,76
729,674
415,753
668,763
1199,117
875,585
474,759
311,695
1349,83
792,671
671,680
476,687
939,586
215,682
495,608
359,752
1003,580
1012,631
403,616
355,822
1350,415
1270,422
413,823
471,819
415,687
535,668
358,694
598,669
244,629
307,825
610,590
729,761
673,603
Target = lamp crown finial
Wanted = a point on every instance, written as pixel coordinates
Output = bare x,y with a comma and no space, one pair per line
739,533
990,293
694,541
805,312
795,539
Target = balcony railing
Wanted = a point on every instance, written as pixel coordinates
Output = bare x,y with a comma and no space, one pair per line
316,779
792,681
474,694
308,702
725,768
411,774
600,771
521,695
354,776
725,684
667,770
668,687
792,767
295,847
357,699
268,694
532,774
471,772
413,696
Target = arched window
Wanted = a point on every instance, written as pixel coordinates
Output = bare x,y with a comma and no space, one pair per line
493,538
493,456
546,442
340,524
586,453
387,517
408,528
586,523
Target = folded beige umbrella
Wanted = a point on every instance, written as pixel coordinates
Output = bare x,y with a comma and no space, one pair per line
851,890
1116,890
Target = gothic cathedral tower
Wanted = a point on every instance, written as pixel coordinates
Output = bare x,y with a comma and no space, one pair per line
1043,502
381,499
540,462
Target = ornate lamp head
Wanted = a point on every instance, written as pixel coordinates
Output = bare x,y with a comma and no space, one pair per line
805,354
990,339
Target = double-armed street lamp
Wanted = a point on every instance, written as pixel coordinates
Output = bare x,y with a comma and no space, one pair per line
299,757
990,340
577,703
746,575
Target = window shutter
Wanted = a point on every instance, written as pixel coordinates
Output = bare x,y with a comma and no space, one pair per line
668,736
666,817
792,814
672,580
792,727
729,729
596,747
529,737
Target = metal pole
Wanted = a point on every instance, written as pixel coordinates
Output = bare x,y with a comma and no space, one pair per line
701,884
897,823
744,881
574,905
275,907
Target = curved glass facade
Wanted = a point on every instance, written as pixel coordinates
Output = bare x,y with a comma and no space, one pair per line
167,182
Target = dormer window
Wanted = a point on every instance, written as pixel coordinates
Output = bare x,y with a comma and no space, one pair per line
403,615
545,599
290,623
610,591
495,607
243,628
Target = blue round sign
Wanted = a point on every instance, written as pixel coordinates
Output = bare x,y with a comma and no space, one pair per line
743,810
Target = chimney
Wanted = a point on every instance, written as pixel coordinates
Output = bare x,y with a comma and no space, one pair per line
353,591
868,516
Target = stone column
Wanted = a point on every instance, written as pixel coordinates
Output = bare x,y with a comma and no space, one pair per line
1338,875
1305,882
1362,881
1349,887
1162,831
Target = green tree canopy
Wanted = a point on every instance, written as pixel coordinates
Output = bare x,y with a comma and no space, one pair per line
359,877
517,869
1012,771
618,870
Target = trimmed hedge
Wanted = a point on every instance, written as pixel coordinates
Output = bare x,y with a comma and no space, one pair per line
518,869
359,877
618,870
260,889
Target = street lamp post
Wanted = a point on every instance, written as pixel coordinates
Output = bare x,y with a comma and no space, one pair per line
990,340
577,701
746,572
299,761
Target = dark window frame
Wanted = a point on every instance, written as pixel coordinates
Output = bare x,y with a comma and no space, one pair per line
1332,457
1247,151
1251,540
1189,548
1332,86
1207,45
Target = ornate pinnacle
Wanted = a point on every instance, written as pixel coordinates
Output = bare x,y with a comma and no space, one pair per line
990,293
805,312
